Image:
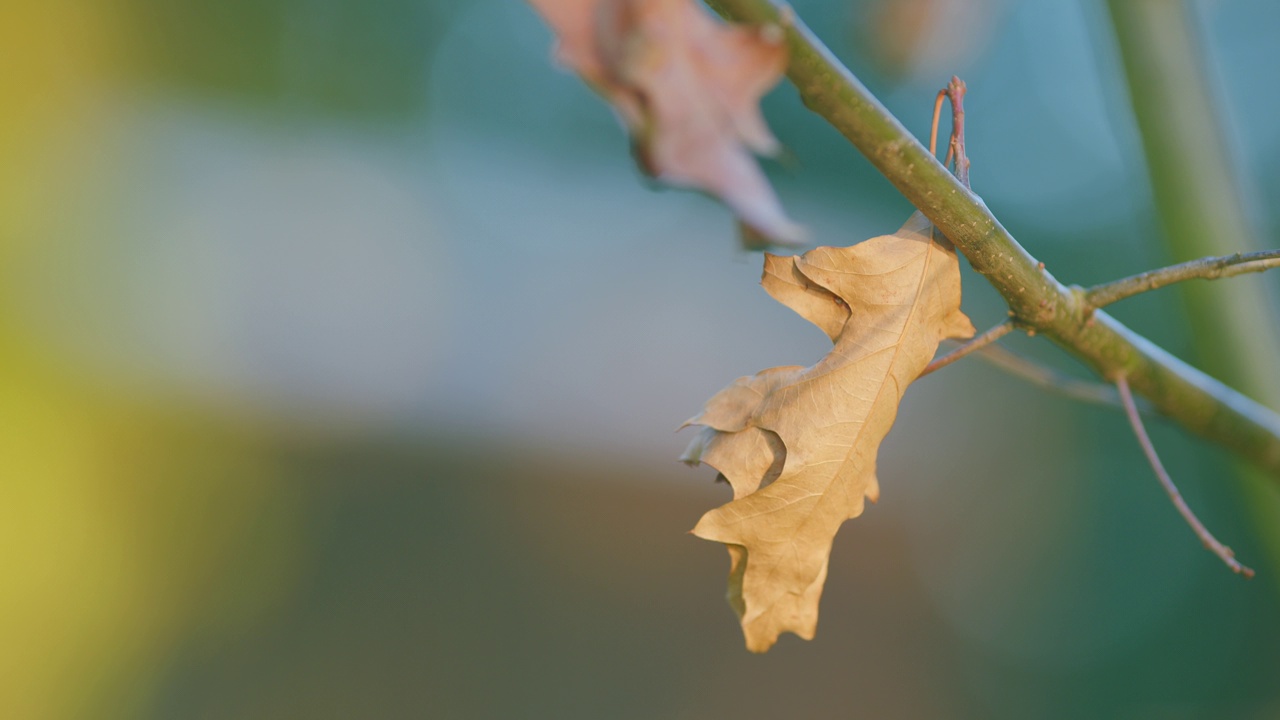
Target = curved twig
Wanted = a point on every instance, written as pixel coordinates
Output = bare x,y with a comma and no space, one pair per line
1217,548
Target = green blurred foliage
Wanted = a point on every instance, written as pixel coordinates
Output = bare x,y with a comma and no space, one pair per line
364,60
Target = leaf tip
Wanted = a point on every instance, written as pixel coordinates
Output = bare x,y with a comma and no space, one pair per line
958,326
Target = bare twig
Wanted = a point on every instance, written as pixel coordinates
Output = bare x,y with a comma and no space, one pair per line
1086,391
1210,268
955,91
1222,551
933,130
1033,372
976,343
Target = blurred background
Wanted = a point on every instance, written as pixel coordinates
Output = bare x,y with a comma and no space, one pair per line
341,347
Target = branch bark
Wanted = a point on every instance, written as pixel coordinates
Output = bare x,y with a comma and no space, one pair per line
1038,300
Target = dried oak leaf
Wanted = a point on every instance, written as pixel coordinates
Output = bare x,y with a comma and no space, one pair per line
798,445
688,88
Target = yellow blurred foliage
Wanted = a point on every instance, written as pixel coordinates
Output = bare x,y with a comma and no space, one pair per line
130,527
121,527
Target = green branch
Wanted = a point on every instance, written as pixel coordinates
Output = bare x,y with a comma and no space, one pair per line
1211,268
1038,301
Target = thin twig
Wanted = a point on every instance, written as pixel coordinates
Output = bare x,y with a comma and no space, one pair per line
1222,551
1094,393
1086,391
933,130
976,343
955,91
1210,268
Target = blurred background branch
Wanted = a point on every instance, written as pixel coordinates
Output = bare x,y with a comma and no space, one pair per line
1199,202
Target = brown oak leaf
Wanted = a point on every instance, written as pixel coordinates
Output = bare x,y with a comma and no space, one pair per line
798,445
688,88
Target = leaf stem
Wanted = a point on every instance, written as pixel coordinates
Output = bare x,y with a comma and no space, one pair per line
1222,551
977,343
1210,268
1039,302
